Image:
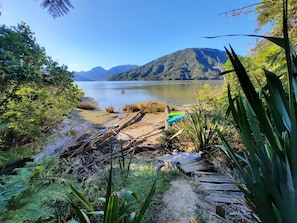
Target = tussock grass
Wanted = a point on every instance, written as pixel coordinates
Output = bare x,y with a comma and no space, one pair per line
88,105
131,108
109,109
154,107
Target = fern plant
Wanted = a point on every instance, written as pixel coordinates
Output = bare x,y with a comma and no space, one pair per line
32,194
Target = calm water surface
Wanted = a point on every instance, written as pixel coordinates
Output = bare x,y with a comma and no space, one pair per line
120,93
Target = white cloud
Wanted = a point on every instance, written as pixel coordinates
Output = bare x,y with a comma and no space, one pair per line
72,65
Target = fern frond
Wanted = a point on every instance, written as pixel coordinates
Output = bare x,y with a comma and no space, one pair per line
57,8
32,194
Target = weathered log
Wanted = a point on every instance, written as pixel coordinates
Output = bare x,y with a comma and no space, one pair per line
111,132
9,167
96,149
64,141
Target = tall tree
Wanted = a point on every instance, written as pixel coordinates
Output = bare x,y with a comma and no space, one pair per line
269,15
35,91
266,55
21,58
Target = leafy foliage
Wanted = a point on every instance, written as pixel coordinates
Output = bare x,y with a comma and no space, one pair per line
20,56
35,91
268,127
267,55
270,13
208,97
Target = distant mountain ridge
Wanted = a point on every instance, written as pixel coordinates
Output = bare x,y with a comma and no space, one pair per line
100,74
187,64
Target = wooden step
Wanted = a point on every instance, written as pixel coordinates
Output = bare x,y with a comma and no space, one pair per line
214,179
224,199
193,167
205,173
218,187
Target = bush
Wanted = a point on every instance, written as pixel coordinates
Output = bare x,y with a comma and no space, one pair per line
35,92
32,111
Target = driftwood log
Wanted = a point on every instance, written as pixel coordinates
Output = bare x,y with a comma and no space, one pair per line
87,149
96,148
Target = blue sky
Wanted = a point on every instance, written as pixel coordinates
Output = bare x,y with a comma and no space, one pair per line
109,33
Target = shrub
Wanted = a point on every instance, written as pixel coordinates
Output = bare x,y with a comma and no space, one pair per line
35,92
197,131
32,111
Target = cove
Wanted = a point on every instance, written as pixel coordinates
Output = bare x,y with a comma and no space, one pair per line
120,93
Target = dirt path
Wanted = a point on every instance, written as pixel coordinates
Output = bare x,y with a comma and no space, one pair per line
179,203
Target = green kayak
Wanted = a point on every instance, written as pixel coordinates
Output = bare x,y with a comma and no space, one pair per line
172,114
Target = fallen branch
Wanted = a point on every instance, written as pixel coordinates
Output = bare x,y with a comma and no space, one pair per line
97,142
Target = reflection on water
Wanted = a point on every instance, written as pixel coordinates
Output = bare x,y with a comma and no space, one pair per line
120,93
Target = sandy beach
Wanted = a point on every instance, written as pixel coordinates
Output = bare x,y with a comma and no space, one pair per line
148,123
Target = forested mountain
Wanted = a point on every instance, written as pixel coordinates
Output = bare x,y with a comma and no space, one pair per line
100,74
187,64
90,75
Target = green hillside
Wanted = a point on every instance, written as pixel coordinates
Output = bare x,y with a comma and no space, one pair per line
187,64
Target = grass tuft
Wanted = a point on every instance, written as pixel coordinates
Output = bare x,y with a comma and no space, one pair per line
88,105
109,109
154,107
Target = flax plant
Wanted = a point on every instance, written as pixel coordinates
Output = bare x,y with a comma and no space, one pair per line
268,128
118,207
198,130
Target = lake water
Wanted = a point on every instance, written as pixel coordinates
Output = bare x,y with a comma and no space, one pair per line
120,93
